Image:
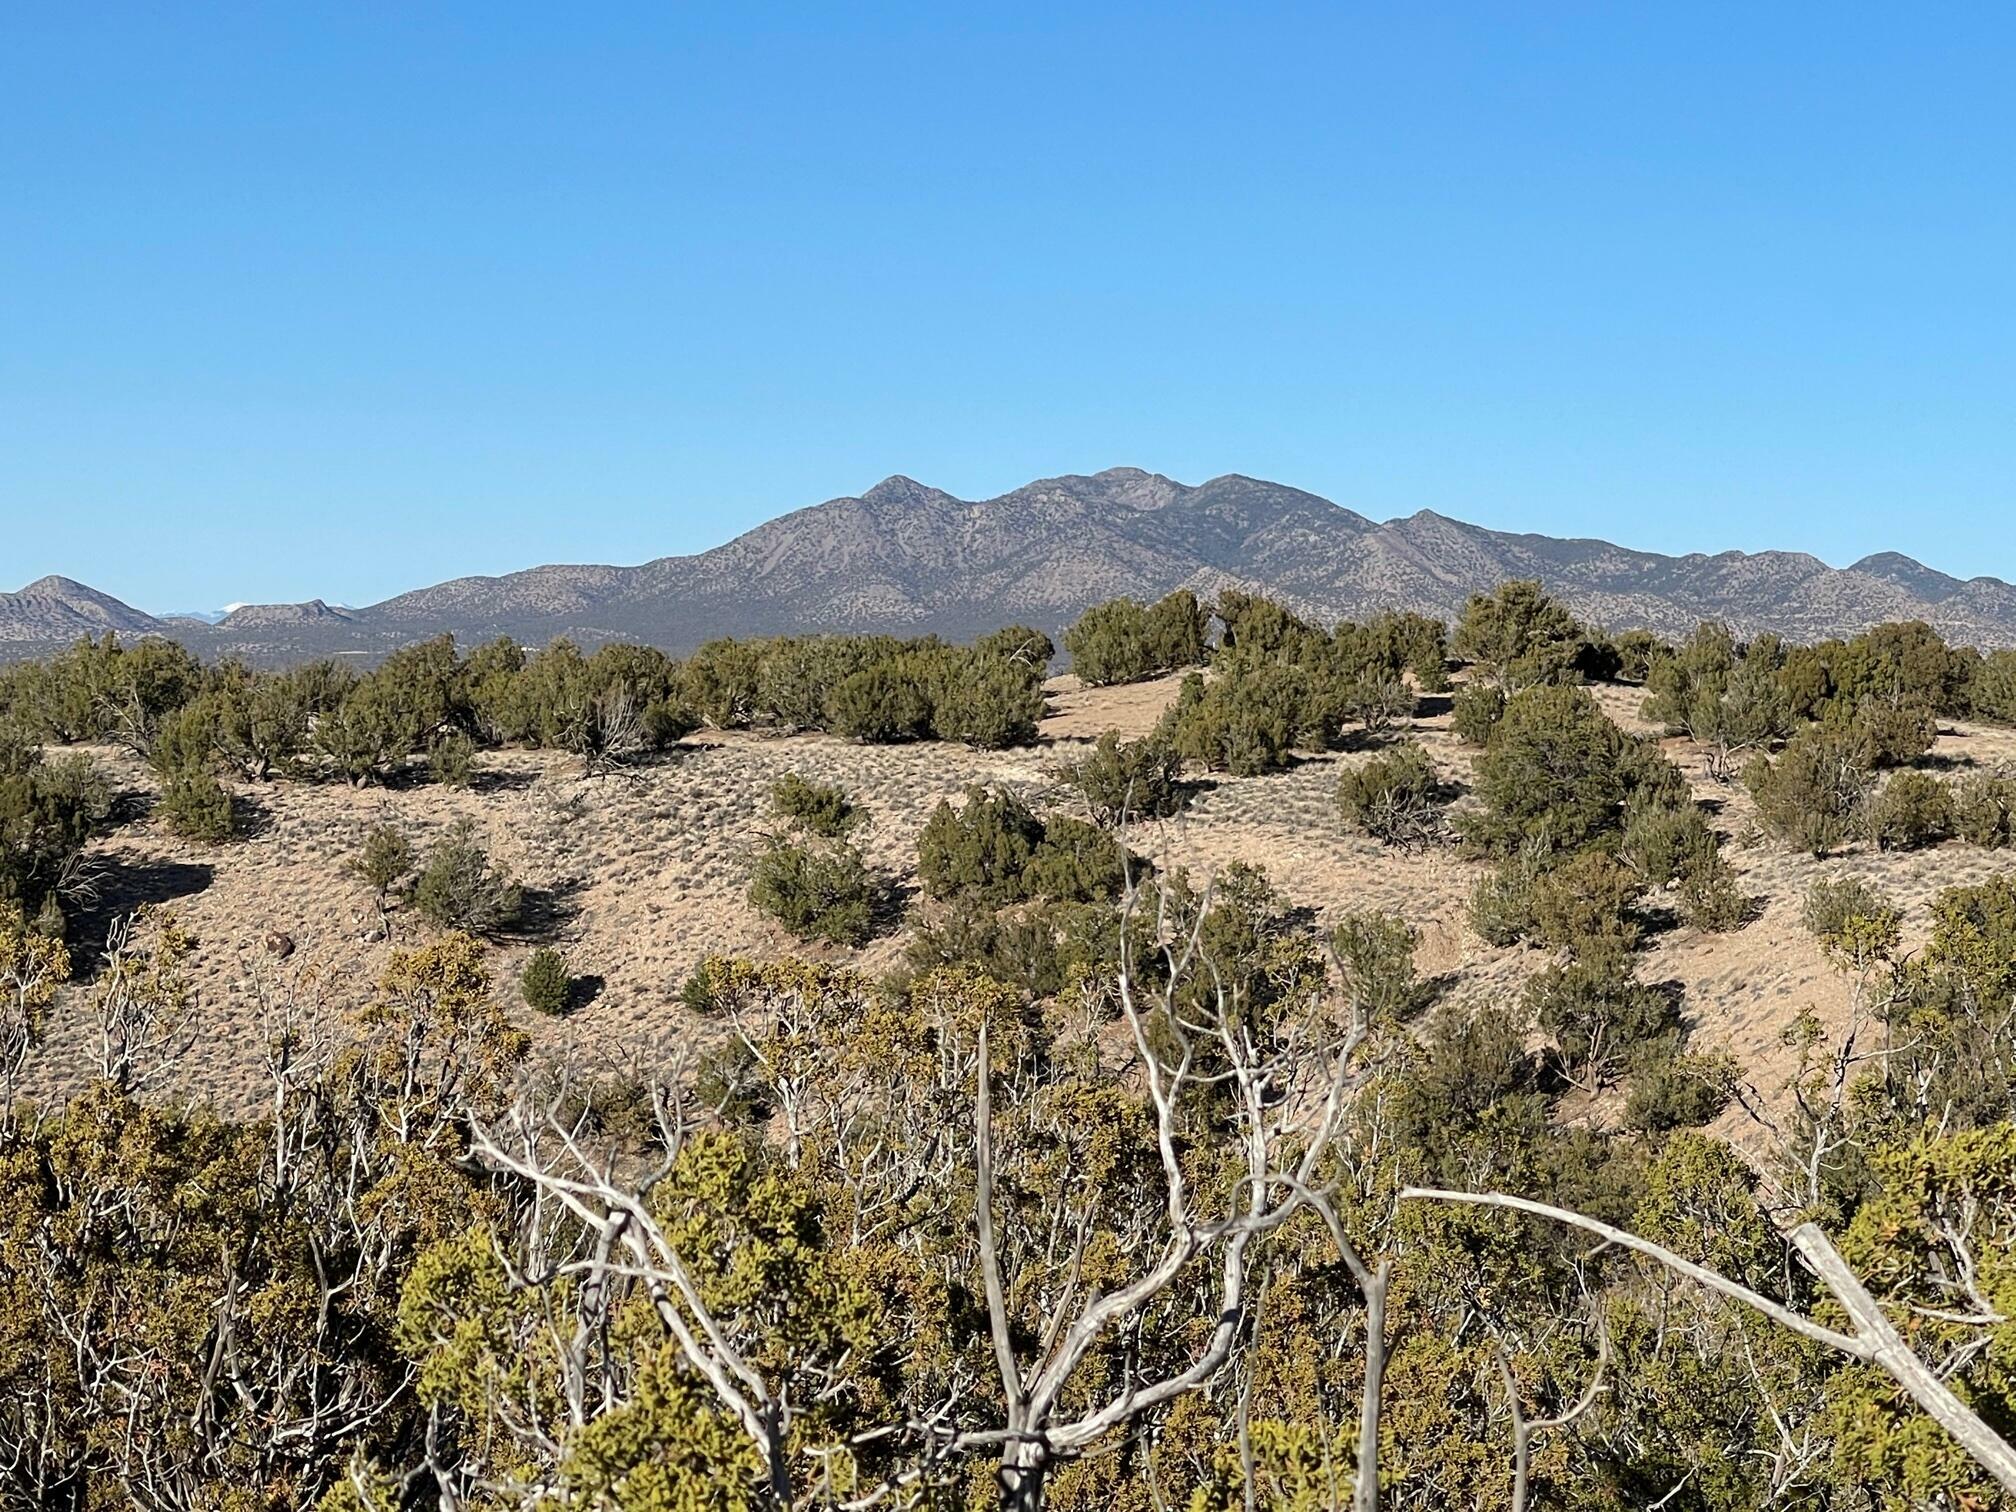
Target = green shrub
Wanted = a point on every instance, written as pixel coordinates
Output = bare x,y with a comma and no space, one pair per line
1586,901
1974,939
1854,923
1806,681
1992,689
1900,666
993,849
1812,795
133,689
719,682
1665,845
1123,641
1394,797
1375,952
667,722
1020,646
1518,636
1416,643
451,759
372,732
491,690
1911,810
545,984
186,740
195,806
458,888
1076,862
1243,722
384,860
1177,626
1725,698
797,676
1019,950
1121,780
1678,1090
1598,1013
261,721
425,682
1377,702
1471,1064
1984,810
1109,644
1636,651
883,704
1710,899
1559,773
1680,678
1896,733
983,848
609,708
1261,956
1475,711
816,892
1502,903
988,701
820,808
49,811
1261,631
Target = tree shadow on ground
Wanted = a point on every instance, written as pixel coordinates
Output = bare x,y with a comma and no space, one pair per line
512,780
544,911
123,890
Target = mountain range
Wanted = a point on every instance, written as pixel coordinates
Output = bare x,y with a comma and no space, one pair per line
907,558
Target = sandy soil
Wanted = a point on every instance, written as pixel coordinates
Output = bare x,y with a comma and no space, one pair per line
640,875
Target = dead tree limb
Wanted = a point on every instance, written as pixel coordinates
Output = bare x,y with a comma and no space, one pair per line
1875,1341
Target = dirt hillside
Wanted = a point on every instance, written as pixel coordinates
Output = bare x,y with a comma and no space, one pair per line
639,875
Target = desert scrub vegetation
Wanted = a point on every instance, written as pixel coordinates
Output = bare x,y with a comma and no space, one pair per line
993,848
876,689
1475,711
195,806
1124,640
1118,780
545,984
797,1211
809,877
459,888
1395,797
50,809
427,710
1984,809
1812,795
1066,1086
1587,824
1279,684
1909,811
1517,636
817,891
383,862
820,808
1729,700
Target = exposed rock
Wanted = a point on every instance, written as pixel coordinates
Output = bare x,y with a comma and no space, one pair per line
907,558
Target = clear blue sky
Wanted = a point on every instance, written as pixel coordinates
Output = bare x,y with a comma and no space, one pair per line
349,298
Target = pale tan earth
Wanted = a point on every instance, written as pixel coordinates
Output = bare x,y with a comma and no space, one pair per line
645,872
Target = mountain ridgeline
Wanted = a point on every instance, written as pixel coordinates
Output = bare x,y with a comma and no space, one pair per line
910,559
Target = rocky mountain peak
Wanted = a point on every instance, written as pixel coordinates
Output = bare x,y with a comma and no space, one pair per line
907,558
